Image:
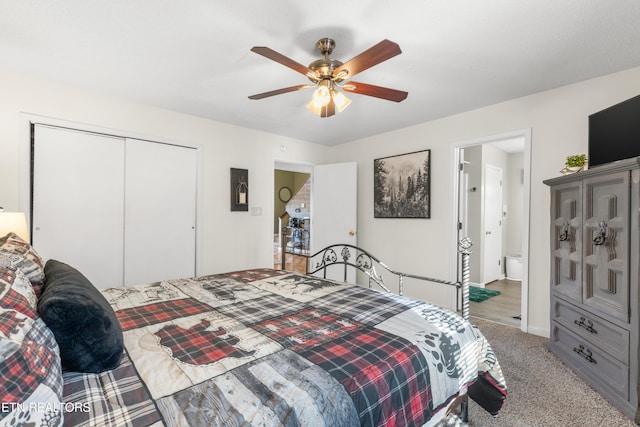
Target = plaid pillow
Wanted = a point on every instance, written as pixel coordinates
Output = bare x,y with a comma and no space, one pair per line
11,278
30,368
30,379
17,254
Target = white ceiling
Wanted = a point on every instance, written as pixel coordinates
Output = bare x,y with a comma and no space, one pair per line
193,56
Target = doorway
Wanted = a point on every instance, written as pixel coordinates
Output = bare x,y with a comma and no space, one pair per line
498,224
291,216
332,207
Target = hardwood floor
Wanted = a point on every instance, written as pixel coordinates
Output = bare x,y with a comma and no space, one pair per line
503,308
294,262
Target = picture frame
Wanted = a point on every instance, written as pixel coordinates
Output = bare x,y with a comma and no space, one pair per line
239,179
402,185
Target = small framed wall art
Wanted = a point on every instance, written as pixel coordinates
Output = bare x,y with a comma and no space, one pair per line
402,186
239,190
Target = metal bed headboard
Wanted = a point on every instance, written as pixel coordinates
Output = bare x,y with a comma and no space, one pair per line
349,256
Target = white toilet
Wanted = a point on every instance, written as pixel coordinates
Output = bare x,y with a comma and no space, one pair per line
513,267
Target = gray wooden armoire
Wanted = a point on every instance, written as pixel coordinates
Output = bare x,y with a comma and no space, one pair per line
594,278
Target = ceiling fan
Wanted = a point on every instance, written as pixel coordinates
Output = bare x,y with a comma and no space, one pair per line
329,75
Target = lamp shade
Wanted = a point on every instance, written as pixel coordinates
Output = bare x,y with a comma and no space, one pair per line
16,222
340,100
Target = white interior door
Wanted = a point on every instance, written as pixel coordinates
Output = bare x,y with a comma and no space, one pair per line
334,207
492,245
78,197
160,215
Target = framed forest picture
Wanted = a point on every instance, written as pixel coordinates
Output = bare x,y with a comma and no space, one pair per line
402,186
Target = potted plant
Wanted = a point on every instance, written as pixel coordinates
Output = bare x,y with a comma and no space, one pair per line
575,163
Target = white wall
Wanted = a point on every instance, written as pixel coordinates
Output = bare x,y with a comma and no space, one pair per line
558,119
226,240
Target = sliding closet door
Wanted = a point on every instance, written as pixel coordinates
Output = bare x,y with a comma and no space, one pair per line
78,201
160,214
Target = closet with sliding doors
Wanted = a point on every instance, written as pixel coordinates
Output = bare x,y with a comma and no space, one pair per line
121,210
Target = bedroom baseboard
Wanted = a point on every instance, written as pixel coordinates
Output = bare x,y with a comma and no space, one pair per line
541,332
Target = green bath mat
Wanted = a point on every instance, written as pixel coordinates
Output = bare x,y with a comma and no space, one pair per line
477,294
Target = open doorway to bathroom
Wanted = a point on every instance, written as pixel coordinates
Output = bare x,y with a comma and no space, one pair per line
493,187
291,216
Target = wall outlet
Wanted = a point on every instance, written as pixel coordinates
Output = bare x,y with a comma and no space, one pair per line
256,211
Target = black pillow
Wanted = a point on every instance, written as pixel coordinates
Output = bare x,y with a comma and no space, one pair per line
84,324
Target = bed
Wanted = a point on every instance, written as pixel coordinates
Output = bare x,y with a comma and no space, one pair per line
257,347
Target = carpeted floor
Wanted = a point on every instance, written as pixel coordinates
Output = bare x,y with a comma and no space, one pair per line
543,391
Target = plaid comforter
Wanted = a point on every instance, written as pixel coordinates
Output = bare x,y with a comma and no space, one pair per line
271,348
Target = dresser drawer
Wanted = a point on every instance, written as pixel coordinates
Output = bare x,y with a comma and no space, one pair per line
604,372
599,332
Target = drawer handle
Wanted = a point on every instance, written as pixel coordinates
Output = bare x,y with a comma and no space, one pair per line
586,324
585,353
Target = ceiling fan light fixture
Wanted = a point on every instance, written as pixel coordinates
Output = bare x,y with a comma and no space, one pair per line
321,96
340,100
334,97
314,109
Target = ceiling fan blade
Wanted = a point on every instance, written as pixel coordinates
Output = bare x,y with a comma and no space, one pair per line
377,91
374,55
286,61
279,91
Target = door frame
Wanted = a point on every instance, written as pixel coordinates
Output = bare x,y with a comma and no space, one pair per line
455,232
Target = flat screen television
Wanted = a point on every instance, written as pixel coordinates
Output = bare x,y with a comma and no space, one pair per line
614,133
